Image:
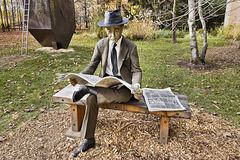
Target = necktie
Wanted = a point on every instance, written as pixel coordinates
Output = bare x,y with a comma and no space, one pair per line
114,60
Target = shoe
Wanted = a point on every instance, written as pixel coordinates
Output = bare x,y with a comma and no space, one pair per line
82,91
88,143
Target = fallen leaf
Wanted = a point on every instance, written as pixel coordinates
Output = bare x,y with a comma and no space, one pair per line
42,110
232,101
215,102
39,95
216,106
191,103
28,110
57,90
60,87
22,75
2,139
12,125
15,116
6,110
227,134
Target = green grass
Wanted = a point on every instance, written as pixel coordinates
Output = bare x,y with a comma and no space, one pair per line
30,84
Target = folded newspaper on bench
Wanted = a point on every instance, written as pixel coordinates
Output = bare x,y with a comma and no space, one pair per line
94,80
162,100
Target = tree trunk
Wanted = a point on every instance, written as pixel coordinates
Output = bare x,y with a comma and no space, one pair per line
18,15
6,14
2,19
13,19
85,10
205,42
174,38
192,33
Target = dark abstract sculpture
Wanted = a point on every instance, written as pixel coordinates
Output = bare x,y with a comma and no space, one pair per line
52,22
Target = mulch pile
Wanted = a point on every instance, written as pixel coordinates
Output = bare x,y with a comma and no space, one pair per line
124,135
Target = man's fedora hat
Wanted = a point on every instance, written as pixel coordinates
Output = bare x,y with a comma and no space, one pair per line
112,18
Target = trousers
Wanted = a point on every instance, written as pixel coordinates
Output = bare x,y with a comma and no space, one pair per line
104,96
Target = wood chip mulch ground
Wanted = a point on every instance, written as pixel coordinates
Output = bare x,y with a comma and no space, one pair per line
124,135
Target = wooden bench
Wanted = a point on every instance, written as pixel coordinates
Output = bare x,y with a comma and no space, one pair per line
78,110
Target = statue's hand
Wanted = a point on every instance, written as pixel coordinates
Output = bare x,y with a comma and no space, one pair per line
137,92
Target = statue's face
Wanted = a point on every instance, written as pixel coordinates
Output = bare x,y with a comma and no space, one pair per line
114,33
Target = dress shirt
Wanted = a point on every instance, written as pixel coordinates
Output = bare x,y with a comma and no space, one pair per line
109,64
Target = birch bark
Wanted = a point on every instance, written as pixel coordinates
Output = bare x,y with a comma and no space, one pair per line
192,33
174,38
205,42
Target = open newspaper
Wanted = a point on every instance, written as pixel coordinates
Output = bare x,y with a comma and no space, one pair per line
94,80
162,100
156,99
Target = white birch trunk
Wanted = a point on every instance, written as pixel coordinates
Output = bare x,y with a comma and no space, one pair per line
205,42
192,32
174,38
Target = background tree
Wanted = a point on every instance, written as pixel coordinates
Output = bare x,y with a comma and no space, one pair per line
192,32
13,13
205,42
210,8
19,16
6,15
174,38
3,28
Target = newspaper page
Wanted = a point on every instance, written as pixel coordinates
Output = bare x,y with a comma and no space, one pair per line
162,100
94,80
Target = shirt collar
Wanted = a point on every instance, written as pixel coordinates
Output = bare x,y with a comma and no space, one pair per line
118,42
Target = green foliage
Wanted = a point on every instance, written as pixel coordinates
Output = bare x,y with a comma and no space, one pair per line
229,32
96,17
168,34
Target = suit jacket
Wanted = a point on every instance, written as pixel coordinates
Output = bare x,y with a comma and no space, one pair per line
128,61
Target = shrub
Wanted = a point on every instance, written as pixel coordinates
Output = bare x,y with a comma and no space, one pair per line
96,17
168,34
229,32
138,29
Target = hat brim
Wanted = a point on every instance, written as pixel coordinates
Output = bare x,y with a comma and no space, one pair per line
101,23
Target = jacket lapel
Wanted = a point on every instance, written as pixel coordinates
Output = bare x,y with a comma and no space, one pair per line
105,46
122,53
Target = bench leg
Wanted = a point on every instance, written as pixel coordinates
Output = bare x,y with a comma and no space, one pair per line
164,129
77,115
